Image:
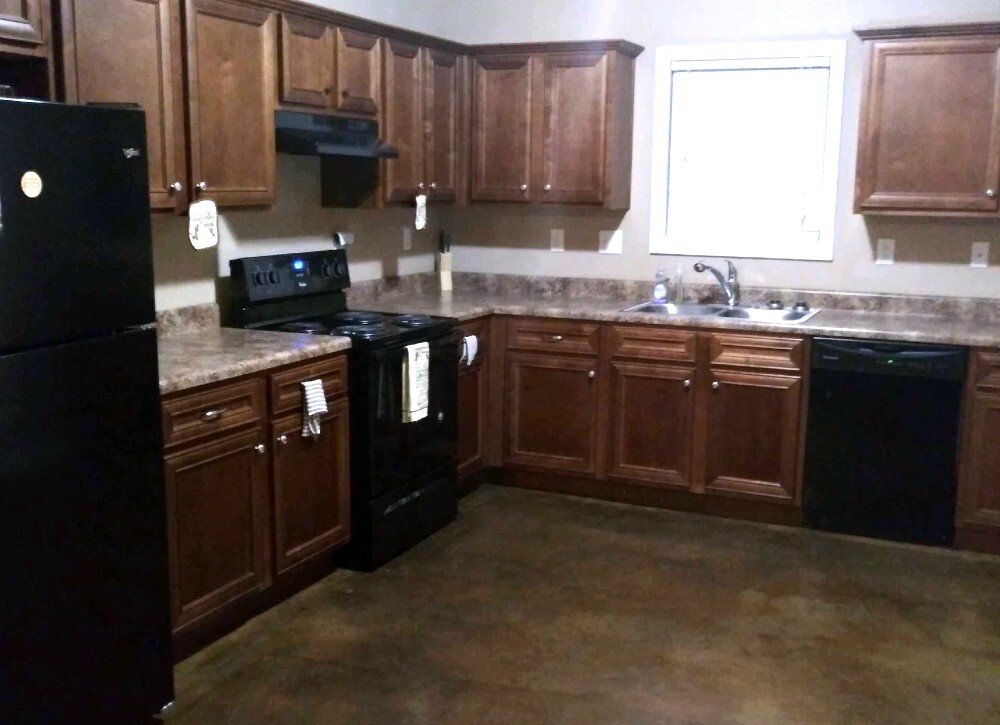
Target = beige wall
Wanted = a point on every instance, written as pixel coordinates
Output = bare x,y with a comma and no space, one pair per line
932,256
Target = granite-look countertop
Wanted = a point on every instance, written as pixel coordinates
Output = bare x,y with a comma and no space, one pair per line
827,322
198,357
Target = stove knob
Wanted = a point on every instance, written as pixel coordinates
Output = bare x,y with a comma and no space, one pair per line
258,279
339,268
272,277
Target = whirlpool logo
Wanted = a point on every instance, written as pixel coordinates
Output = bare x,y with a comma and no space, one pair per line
132,153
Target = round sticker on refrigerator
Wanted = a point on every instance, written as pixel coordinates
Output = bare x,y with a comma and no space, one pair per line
31,185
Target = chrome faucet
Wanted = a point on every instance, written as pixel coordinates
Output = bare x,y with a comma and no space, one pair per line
730,284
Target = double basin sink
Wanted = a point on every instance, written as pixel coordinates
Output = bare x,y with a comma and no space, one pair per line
685,309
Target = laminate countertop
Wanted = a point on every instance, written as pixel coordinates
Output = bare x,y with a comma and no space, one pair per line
826,323
189,359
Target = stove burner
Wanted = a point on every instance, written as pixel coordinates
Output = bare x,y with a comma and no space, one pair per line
353,319
306,328
364,332
411,321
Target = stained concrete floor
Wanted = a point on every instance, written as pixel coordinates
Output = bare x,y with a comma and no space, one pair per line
541,608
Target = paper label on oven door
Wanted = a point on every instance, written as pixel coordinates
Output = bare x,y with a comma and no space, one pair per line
31,184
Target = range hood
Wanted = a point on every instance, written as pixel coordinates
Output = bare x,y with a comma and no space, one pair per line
312,134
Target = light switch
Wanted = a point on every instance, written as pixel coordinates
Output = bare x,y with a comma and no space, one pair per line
980,254
557,240
885,251
407,238
612,242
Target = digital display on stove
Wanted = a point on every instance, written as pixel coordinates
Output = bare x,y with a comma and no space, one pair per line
300,268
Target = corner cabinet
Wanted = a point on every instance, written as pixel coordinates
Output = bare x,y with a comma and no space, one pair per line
129,51
977,524
552,124
929,140
231,85
473,400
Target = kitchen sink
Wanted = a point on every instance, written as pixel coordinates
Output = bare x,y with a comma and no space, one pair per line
685,309
775,316
753,314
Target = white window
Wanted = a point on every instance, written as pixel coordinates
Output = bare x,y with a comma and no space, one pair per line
746,149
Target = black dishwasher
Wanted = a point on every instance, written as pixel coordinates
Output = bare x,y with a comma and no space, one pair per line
882,439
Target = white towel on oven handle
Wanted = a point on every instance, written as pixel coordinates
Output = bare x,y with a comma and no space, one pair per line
416,382
314,407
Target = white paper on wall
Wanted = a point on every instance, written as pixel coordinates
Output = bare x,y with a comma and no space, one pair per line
203,227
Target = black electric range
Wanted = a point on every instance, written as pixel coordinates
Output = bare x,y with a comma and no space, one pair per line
403,475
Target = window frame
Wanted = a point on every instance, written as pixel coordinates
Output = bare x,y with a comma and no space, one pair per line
792,54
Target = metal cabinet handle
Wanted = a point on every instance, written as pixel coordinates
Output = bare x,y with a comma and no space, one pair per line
261,448
592,374
328,89
346,92
210,416
176,187
687,384
434,186
283,440
202,186
554,338
547,187
716,385
524,187
420,186
991,193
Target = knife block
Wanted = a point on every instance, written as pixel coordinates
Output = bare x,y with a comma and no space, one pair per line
444,270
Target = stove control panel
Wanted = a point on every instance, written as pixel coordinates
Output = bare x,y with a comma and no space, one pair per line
283,276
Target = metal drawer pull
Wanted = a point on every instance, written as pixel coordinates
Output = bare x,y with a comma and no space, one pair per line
555,338
687,384
261,448
283,440
716,385
210,416
592,374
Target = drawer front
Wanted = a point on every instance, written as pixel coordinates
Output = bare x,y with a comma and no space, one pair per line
756,351
986,370
553,336
188,418
653,343
286,387
481,329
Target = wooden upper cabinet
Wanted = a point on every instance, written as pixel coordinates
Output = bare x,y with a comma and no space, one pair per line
307,62
930,125
501,127
231,82
403,121
573,145
978,505
444,103
358,72
24,26
129,51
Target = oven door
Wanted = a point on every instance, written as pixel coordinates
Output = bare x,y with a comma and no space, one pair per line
401,452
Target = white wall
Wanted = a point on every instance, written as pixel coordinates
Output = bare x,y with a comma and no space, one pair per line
933,256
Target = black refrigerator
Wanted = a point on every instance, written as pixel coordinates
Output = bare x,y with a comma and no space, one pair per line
84,614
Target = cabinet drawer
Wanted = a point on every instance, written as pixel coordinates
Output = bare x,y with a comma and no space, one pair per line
286,387
986,373
553,336
188,418
756,351
653,343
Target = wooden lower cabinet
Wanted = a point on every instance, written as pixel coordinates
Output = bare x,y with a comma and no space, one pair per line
552,412
978,507
473,401
652,412
312,507
751,435
218,522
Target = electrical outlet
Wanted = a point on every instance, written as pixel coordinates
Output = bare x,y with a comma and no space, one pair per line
980,255
885,251
612,242
557,240
407,238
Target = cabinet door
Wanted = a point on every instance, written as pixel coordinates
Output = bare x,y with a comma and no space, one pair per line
23,22
442,107
218,526
575,101
652,412
312,511
307,59
403,121
751,435
231,77
930,138
129,51
501,128
979,480
358,70
552,412
473,398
